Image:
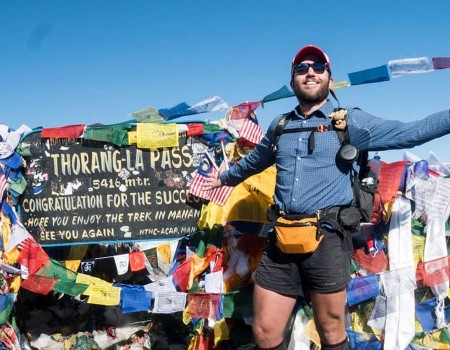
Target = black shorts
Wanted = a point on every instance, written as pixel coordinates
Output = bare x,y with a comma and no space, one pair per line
327,269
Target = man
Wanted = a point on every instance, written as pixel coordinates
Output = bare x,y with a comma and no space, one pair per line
311,178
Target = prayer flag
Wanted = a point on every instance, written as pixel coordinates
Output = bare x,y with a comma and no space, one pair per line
390,178
122,263
238,304
362,288
18,235
134,299
283,92
195,129
203,305
410,66
101,295
169,302
441,62
39,284
137,261
374,264
181,275
243,110
87,266
340,84
213,104
155,136
363,341
116,134
32,256
425,312
64,132
434,272
372,75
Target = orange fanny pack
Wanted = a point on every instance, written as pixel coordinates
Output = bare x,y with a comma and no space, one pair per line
297,236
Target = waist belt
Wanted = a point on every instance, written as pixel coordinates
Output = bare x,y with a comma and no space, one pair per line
274,212
330,214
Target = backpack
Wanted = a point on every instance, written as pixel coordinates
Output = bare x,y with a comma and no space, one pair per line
364,182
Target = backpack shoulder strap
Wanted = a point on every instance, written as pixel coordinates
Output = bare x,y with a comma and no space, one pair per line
279,128
282,122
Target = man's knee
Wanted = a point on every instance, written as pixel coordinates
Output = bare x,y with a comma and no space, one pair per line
277,347
265,338
343,345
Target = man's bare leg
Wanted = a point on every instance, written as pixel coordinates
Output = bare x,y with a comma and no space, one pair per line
329,316
271,315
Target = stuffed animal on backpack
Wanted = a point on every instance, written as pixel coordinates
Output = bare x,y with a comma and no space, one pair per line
338,118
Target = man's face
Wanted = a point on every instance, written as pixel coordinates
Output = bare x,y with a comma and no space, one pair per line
311,87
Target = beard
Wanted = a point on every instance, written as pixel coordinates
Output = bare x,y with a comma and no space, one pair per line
311,97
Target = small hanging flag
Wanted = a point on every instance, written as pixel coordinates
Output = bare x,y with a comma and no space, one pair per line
441,62
372,75
155,136
410,66
39,284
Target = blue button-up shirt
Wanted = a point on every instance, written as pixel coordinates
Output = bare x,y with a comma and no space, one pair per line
308,182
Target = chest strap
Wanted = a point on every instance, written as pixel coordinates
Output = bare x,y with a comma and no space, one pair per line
313,130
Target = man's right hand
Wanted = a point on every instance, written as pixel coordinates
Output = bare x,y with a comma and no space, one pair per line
212,181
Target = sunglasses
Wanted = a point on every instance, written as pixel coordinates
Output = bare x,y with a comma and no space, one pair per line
303,68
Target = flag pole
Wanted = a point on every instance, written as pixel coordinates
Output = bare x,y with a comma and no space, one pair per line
225,159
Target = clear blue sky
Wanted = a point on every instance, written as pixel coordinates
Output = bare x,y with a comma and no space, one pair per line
75,62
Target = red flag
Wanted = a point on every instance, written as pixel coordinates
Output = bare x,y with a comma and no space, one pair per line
32,256
69,132
434,272
390,179
375,264
181,275
243,110
137,261
39,284
195,129
203,305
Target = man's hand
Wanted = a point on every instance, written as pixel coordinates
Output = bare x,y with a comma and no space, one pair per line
212,181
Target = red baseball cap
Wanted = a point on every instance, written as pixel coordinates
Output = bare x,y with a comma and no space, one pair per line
311,50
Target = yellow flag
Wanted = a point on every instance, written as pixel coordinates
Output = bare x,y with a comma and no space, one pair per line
6,228
193,343
104,296
15,283
311,332
186,317
132,137
11,257
360,317
198,266
418,248
248,202
94,281
164,252
432,340
221,331
155,136
340,84
77,252
72,265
